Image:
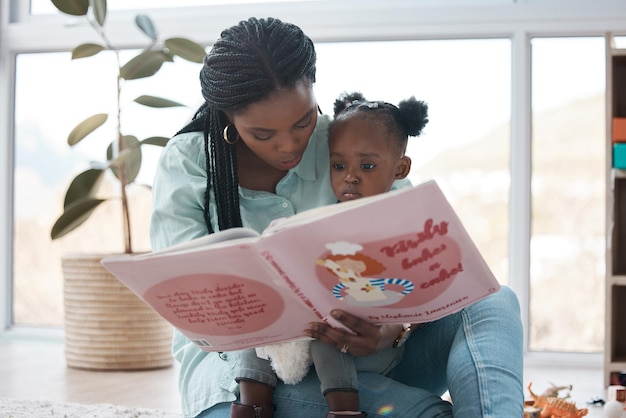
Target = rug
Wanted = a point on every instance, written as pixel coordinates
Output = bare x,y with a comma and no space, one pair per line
19,408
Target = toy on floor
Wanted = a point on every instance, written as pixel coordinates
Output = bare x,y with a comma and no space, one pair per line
554,391
614,409
555,407
596,401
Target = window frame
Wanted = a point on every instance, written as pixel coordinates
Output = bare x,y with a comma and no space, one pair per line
329,21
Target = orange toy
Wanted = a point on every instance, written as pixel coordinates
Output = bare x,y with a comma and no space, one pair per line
554,407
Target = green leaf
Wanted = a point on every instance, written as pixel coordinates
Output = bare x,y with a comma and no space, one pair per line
73,216
143,65
84,185
186,49
129,158
146,25
86,50
72,7
161,141
86,127
99,8
153,101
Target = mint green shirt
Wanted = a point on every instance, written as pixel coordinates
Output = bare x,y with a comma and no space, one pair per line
205,379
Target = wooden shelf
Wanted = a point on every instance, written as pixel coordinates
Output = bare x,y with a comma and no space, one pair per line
619,280
615,302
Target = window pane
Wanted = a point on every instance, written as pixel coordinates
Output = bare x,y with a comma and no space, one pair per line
39,7
567,233
44,164
467,86
46,6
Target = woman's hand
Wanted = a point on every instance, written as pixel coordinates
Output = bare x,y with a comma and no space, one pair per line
367,339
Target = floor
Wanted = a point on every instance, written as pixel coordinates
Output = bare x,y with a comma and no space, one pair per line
33,367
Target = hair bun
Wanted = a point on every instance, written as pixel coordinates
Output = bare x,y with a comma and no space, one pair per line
414,114
345,100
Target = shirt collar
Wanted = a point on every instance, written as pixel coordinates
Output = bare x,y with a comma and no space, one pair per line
306,168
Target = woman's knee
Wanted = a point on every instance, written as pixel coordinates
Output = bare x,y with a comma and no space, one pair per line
504,303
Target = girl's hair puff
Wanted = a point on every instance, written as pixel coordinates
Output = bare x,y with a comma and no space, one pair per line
414,115
345,100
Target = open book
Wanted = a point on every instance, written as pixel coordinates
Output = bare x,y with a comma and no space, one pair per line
398,257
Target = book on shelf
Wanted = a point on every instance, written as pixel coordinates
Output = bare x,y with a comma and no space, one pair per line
398,257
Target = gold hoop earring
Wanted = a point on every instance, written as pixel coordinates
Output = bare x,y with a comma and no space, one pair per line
227,137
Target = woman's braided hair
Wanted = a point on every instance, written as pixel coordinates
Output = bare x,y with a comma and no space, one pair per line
245,65
407,119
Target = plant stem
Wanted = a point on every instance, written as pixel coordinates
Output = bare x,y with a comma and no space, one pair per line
119,144
122,169
122,175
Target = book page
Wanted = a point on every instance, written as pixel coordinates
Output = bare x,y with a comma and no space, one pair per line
312,215
221,297
403,258
232,236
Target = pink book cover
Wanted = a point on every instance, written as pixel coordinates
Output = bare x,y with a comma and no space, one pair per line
399,257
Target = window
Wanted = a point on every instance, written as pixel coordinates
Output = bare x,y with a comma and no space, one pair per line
46,7
442,152
568,195
46,110
487,113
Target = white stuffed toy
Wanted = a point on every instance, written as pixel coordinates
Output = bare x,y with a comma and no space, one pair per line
290,360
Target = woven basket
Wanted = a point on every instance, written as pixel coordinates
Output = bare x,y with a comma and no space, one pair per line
107,327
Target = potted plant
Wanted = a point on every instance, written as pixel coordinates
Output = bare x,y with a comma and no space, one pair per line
107,327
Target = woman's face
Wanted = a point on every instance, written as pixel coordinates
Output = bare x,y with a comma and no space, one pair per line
278,128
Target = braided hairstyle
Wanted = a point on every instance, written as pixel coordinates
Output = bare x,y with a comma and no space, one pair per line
245,65
407,119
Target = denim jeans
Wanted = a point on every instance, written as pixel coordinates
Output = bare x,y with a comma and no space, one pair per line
337,370
253,367
476,354
334,369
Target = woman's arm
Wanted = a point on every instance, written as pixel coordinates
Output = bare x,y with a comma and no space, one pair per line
178,192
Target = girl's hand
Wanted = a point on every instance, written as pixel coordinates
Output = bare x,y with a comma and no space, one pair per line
367,339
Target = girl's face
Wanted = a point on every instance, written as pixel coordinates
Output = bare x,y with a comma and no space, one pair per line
364,161
277,130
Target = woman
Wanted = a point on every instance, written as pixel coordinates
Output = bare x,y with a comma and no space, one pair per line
257,150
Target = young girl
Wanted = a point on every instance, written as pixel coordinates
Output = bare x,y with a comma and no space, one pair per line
367,143
255,151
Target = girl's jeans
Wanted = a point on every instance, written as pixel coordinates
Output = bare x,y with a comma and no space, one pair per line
334,369
476,354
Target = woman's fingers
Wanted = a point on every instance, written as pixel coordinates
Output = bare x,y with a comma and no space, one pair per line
326,333
364,341
356,324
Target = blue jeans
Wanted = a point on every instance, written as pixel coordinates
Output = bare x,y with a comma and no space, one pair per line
476,354
337,370
334,369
